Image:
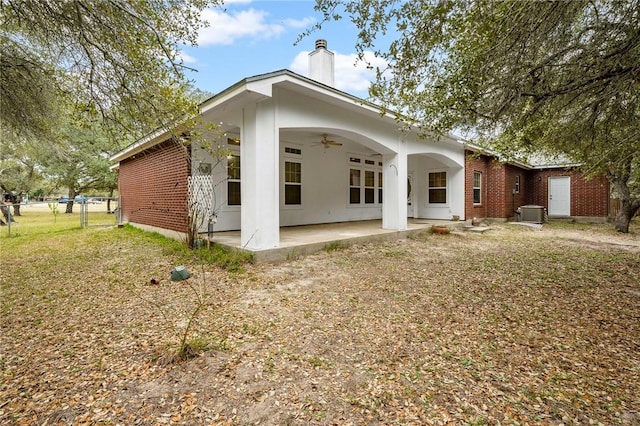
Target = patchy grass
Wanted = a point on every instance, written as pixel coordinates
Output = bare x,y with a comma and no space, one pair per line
512,326
333,246
38,219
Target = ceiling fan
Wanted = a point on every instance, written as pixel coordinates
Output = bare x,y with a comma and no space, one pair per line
327,142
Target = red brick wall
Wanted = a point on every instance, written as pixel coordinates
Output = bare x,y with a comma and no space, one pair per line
498,182
513,201
588,197
475,164
153,187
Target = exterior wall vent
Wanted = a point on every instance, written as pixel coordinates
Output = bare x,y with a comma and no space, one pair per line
321,44
531,214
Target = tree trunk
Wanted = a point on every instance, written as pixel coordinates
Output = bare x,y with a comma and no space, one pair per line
6,212
15,201
628,209
628,205
109,201
72,195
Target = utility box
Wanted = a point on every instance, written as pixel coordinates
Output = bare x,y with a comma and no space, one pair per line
531,213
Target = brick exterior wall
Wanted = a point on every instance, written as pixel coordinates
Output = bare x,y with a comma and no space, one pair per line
588,197
153,187
498,182
475,164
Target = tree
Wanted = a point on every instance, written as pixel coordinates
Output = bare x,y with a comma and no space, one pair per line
78,159
118,60
558,78
19,171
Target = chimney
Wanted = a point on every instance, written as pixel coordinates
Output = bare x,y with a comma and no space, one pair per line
321,66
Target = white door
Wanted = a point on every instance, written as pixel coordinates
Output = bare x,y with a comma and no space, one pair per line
559,196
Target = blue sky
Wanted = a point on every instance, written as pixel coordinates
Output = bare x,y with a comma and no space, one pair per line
250,37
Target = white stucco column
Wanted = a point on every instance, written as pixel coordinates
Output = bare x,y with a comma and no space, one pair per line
259,169
394,199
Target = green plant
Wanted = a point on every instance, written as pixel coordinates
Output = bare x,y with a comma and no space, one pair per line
54,209
333,246
190,348
182,322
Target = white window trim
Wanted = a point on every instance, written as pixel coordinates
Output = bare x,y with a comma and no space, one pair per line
479,203
291,158
516,186
235,150
447,195
362,166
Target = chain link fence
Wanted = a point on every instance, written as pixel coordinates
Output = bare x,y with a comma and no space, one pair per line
50,216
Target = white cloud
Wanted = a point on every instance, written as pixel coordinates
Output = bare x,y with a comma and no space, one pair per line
299,23
350,76
186,58
227,27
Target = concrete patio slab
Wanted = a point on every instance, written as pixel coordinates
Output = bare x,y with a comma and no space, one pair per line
298,240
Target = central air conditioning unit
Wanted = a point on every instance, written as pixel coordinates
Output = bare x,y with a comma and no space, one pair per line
531,214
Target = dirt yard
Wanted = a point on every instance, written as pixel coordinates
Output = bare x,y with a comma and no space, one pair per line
511,326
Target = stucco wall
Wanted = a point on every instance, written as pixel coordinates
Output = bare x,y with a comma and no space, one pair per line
419,167
153,187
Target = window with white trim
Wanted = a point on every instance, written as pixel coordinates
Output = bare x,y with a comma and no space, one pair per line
354,186
365,181
369,187
292,176
380,186
477,187
233,173
516,186
437,188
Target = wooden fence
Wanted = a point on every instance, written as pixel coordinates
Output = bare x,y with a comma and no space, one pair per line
614,207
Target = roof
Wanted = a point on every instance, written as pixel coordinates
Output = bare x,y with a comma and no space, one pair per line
532,162
252,89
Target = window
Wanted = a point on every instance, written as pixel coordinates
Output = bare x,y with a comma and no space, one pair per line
369,186
292,183
438,188
354,186
294,151
292,167
365,181
233,180
516,186
477,187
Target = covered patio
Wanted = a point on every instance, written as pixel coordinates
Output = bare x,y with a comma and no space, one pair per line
297,240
